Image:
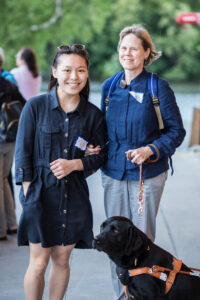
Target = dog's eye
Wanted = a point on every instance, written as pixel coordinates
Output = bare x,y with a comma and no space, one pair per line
114,229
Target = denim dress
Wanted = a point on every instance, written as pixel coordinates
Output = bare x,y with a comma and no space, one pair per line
56,212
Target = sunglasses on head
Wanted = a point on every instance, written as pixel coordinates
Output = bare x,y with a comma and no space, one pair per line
71,47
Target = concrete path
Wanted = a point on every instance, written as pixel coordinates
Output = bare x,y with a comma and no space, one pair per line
178,224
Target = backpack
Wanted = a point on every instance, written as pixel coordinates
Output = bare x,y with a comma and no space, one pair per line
9,119
152,89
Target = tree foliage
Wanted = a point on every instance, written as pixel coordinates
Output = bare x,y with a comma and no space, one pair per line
97,25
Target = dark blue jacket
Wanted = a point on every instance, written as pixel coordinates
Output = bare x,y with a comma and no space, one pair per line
132,123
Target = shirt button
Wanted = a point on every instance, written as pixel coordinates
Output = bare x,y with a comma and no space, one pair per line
66,181
65,195
63,225
66,134
65,150
66,120
64,211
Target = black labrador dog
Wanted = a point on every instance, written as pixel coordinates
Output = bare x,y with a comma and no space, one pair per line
130,248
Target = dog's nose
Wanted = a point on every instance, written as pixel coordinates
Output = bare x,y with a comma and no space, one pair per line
96,241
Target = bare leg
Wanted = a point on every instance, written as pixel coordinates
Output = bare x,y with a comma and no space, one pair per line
34,278
60,271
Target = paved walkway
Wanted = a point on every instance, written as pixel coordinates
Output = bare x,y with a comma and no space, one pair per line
178,225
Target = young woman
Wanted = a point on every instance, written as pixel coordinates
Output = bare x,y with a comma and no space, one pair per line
27,73
134,137
53,133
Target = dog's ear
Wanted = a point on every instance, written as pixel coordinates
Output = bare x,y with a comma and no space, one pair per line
129,243
134,241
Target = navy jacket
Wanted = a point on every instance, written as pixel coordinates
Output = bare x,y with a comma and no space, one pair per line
132,123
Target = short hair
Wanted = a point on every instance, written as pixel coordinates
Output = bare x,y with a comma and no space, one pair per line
140,32
2,58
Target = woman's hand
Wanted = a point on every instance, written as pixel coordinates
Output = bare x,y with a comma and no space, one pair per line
63,167
139,155
25,185
91,150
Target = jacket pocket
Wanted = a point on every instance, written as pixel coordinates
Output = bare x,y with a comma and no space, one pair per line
33,191
50,138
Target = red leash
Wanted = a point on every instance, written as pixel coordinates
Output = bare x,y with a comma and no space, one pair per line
140,195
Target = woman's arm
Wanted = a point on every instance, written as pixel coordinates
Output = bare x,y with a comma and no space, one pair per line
98,140
173,134
63,167
25,145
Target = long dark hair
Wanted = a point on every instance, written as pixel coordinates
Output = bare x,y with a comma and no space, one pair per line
28,55
71,49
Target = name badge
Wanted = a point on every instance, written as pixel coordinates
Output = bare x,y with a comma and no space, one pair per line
81,143
137,96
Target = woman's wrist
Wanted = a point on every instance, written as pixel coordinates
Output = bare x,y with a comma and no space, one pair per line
149,150
77,165
25,185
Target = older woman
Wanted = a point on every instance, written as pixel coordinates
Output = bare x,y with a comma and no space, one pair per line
134,137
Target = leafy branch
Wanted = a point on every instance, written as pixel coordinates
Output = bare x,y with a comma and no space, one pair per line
53,20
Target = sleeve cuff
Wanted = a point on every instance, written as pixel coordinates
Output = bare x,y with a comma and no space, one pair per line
22,175
156,153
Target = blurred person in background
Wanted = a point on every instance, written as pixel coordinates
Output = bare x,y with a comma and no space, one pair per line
8,224
27,73
7,75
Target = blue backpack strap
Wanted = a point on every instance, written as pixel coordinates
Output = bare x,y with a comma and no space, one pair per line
110,86
152,84
153,91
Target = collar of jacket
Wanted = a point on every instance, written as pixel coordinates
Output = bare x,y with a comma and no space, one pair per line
55,103
139,82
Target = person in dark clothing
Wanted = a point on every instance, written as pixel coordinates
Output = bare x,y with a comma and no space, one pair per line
10,90
8,76
50,162
8,223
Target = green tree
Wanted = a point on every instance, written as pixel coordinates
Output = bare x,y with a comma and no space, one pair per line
44,25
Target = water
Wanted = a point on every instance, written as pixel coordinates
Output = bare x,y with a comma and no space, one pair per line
187,96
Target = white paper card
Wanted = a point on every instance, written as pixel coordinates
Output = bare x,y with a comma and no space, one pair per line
81,143
137,96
